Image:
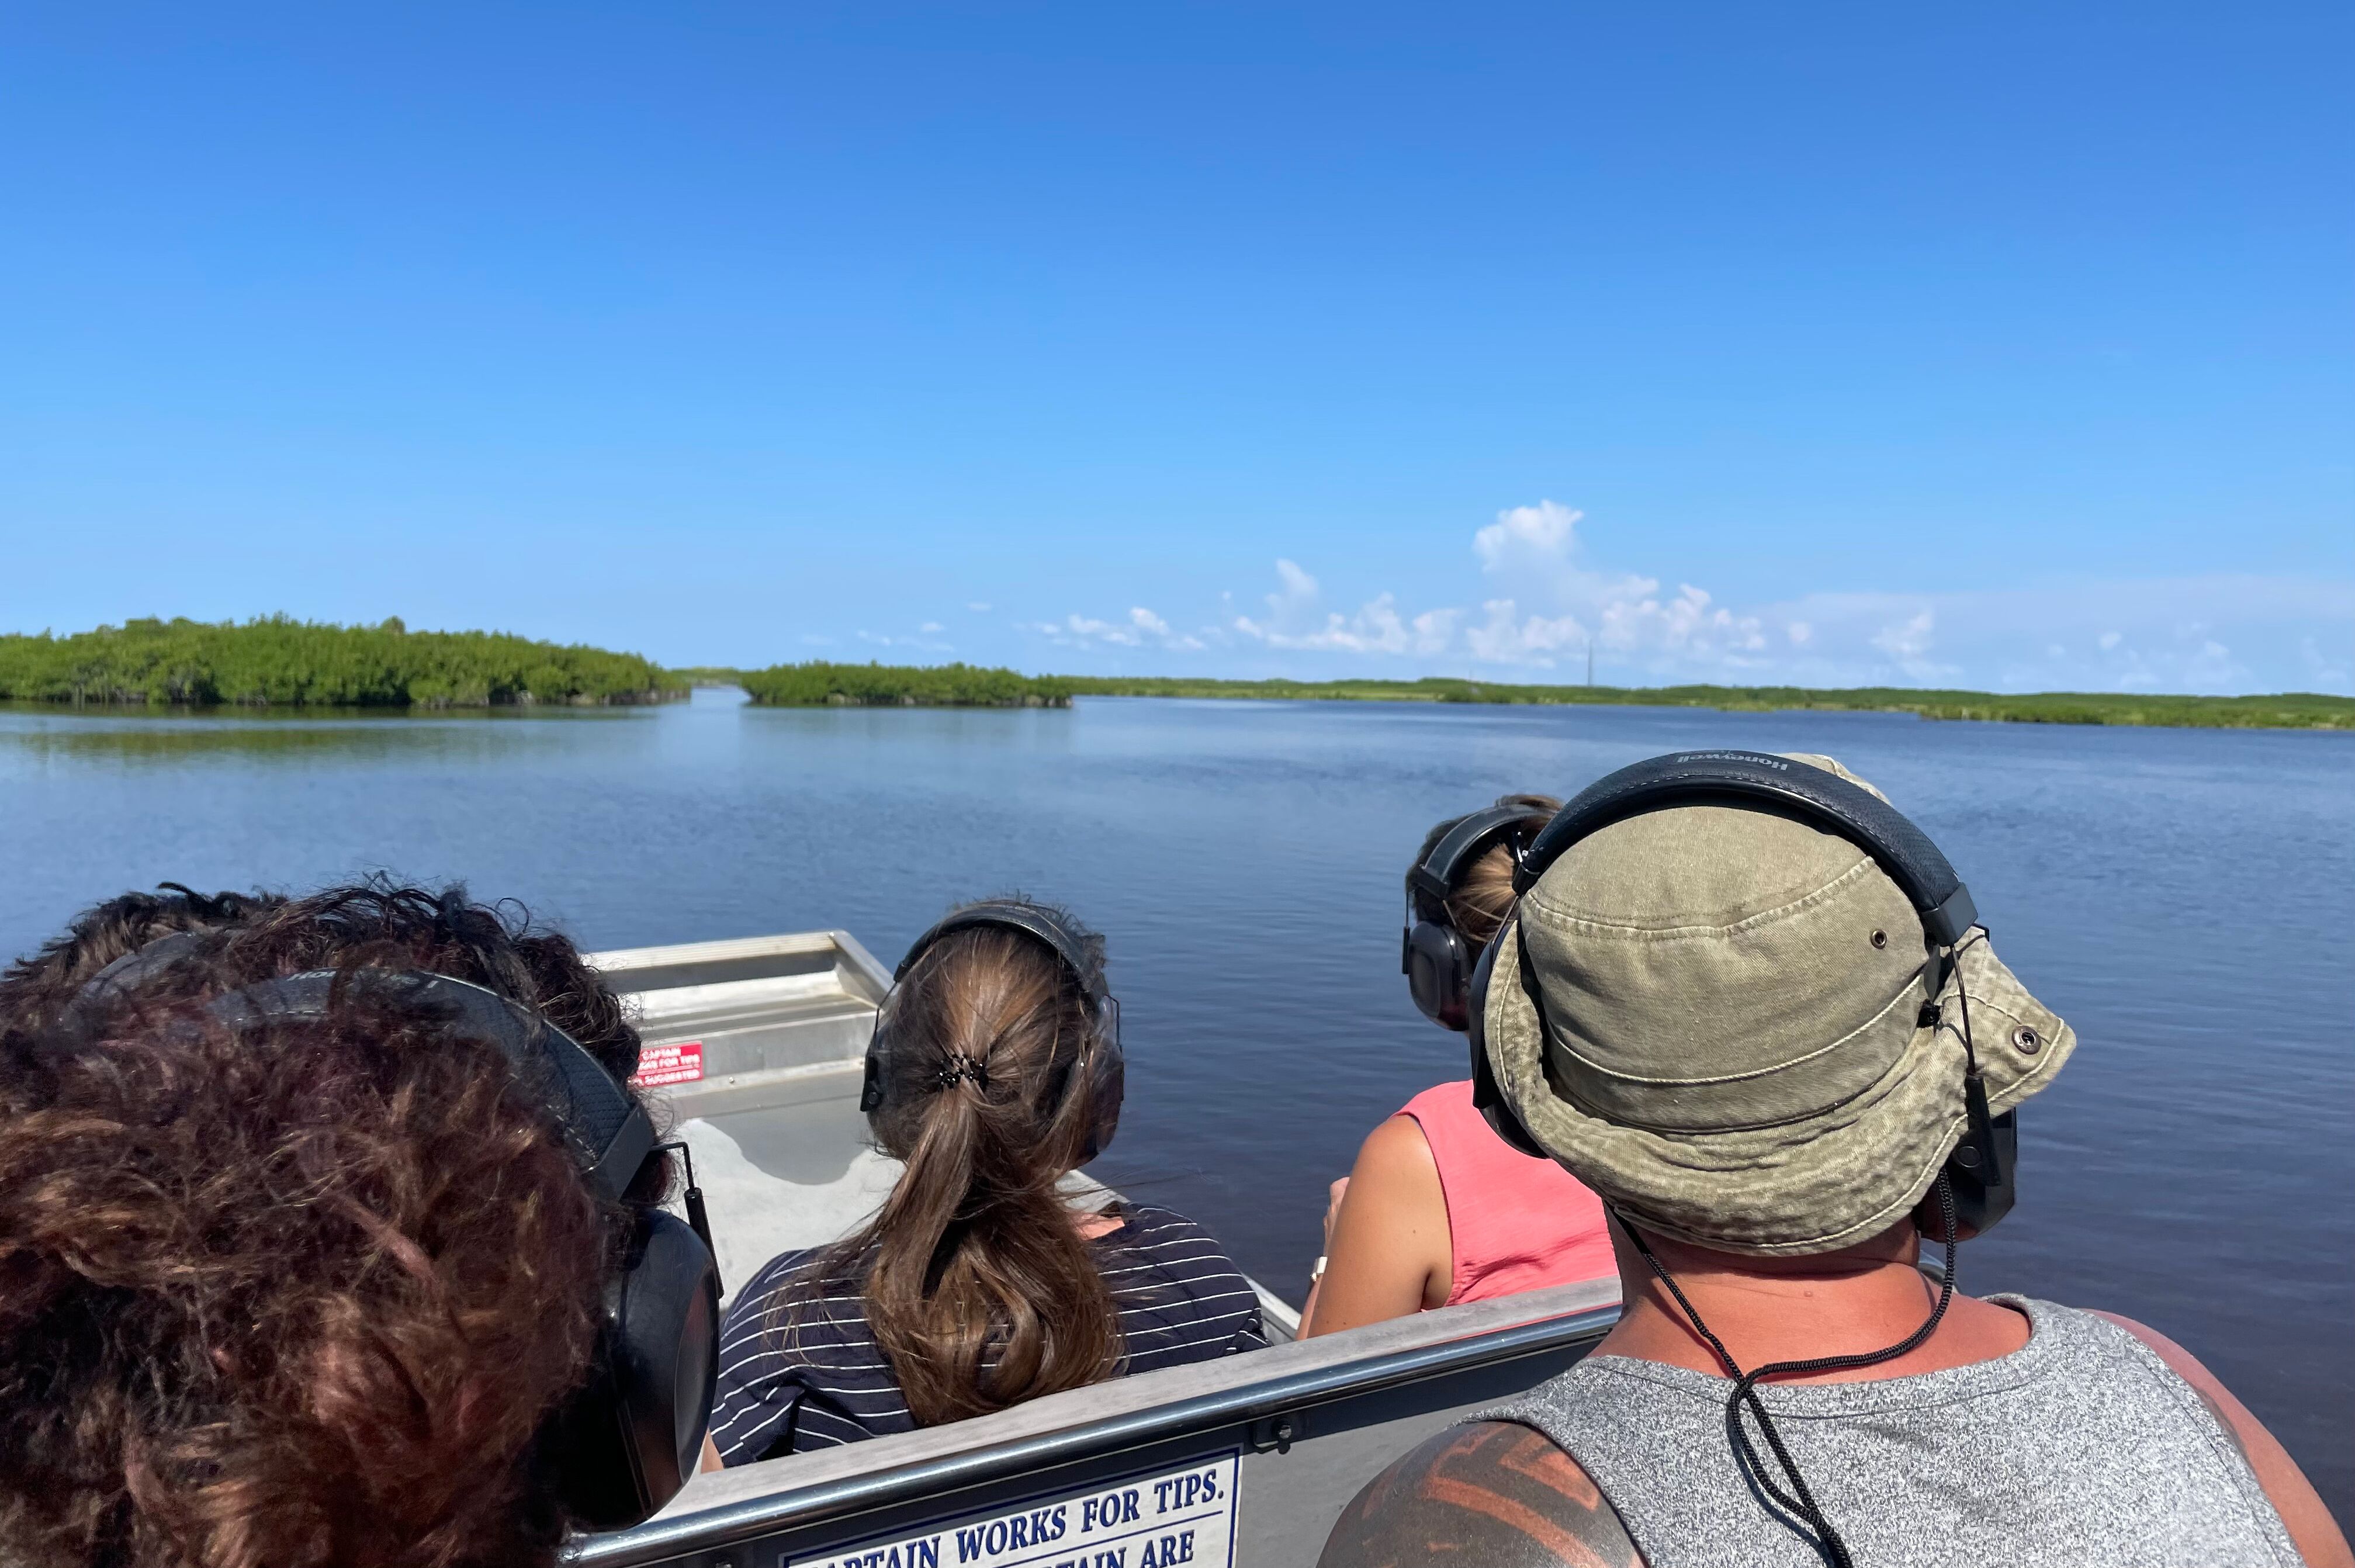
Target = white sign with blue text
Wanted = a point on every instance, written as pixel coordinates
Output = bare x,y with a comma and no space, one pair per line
1173,1519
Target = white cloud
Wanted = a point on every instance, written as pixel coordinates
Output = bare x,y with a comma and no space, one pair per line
1558,607
1142,626
1104,631
1542,601
1296,619
931,626
1433,629
925,643
2188,659
978,606
1687,626
1542,532
1908,642
1549,597
1537,551
1505,638
2213,667
2148,634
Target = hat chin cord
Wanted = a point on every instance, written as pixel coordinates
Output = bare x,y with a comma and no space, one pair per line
1799,1500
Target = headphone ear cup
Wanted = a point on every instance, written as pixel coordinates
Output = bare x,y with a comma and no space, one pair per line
1107,1085
1487,1098
1981,1196
629,1441
1455,973
870,1078
1439,972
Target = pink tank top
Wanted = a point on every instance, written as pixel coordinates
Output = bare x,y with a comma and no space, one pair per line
1514,1222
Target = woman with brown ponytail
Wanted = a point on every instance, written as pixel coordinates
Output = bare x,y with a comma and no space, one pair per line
985,1280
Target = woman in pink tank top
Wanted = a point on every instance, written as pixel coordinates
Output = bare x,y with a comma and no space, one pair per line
1439,1209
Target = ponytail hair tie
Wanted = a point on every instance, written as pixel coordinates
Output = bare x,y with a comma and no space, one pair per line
962,1069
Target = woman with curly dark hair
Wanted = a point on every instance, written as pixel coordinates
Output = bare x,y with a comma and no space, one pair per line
298,1269
40,988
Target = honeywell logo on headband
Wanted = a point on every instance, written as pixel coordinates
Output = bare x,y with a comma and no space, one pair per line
1780,764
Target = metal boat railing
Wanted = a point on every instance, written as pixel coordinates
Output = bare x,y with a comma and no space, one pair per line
1303,1426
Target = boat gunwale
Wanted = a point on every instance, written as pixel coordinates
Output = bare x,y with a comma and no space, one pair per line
873,980
732,1523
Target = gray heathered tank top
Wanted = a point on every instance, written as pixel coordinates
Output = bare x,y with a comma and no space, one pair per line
2080,1450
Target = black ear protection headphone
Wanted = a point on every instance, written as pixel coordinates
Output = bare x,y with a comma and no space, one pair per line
1980,1169
1438,959
624,1444
1101,1072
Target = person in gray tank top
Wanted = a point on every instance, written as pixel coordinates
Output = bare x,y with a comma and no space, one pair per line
1750,1005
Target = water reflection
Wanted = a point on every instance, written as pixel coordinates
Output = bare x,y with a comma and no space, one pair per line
30,730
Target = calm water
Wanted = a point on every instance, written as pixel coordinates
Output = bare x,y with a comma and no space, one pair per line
2184,897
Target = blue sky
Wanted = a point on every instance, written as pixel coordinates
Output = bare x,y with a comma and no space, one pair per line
2012,347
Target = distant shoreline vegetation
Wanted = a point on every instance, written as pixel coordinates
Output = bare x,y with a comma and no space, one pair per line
871,685
2292,710
278,662
821,685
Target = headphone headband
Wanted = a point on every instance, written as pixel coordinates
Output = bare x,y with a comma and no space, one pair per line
1102,1071
140,962
1439,868
610,1133
1821,799
1036,920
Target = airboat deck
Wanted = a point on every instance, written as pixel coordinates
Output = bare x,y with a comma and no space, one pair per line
756,1047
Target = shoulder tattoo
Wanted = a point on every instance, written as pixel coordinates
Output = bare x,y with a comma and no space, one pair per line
1492,1493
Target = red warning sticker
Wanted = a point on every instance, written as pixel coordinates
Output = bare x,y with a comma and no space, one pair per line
660,1064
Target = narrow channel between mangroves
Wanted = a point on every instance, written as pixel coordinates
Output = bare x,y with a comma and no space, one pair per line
279,661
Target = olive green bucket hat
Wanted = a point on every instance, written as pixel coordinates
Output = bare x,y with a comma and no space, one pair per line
1739,1055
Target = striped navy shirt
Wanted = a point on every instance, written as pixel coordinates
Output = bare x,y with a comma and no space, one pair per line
800,1371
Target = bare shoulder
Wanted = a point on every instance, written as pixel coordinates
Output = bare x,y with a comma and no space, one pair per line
1492,1493
1397,1148
2316,1535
